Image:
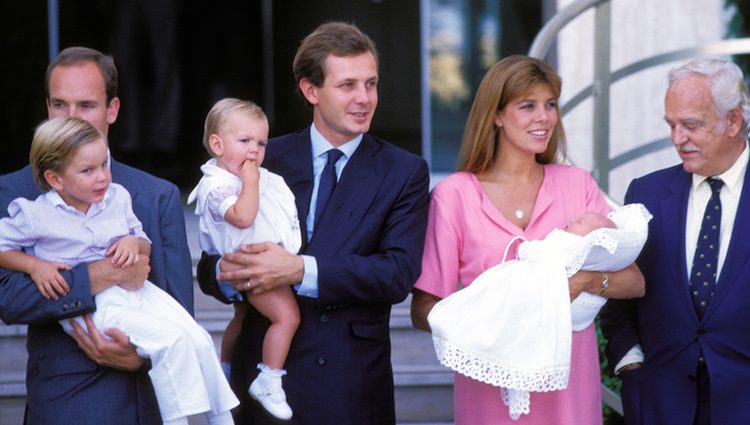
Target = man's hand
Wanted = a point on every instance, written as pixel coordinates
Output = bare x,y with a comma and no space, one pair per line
260,267
103,274
133,277
629,366
118,353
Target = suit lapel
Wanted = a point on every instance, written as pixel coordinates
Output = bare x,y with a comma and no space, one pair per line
674,227
738,252
293,161
119,176
355,191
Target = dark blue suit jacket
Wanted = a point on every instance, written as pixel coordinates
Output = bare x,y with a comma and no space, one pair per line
664,321
63,384
368,247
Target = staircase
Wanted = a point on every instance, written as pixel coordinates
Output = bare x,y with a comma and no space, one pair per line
424,389
12,373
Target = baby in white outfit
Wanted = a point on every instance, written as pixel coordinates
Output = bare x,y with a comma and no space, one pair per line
511,327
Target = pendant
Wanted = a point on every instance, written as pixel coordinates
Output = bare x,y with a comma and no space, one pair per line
518,213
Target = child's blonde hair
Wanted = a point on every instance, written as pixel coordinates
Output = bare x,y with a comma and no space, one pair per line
54,144
220,112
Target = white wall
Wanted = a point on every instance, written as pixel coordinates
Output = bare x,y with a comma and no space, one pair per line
640,29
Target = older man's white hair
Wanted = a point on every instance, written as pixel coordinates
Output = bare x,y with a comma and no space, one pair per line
728,87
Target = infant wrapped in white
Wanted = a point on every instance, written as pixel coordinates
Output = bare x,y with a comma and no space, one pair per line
511,328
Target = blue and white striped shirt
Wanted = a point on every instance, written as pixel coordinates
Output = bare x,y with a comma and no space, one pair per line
52,230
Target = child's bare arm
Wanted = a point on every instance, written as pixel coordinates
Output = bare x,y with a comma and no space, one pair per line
125,251
45,274
242,213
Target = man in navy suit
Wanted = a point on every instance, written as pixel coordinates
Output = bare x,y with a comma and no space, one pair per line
684,353
91,380
360,257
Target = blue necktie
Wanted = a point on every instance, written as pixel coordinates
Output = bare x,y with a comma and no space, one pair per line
327,184
705,262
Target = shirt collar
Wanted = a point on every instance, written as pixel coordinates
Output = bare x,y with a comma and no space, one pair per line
56,200
211,168
732,178
320,145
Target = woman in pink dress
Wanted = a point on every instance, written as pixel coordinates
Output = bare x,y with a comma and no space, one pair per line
509,183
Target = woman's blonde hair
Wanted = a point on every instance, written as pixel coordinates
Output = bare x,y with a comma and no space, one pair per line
220,112
507,80
55,142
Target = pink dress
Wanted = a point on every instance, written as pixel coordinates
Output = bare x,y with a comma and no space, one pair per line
466,234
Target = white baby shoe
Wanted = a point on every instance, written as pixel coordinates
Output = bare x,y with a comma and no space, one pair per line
267,390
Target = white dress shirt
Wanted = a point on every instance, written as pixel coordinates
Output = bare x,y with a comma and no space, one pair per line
320,147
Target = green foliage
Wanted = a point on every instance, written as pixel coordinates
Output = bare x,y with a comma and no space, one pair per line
739,27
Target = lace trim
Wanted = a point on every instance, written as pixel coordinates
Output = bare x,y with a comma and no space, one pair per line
632,230
601,239
518,402
515,384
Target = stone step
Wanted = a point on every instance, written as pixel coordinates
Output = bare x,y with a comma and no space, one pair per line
423,394
12,384
12,373
410,346
11,410
13,359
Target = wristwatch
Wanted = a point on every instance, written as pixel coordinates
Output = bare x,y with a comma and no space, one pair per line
605,283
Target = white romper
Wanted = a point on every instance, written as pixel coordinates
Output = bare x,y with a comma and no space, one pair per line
275,222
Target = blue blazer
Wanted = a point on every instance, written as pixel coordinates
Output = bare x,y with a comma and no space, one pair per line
63,384
368,247
664,321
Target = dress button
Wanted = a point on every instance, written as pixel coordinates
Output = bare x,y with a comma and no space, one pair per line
65,307
323,318
322,361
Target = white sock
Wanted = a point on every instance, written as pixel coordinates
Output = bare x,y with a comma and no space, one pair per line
273,372
222,418
179,421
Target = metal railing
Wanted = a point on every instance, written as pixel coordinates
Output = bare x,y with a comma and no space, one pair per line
599,91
